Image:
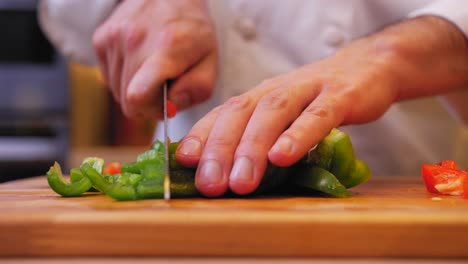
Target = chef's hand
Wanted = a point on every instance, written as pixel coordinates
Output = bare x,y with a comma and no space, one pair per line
146,42
283,117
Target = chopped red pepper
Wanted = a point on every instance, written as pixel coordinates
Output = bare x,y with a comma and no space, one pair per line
465,186
449,164
445,178
112,168
171,109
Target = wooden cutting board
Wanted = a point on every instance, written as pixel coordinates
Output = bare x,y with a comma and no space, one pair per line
392,217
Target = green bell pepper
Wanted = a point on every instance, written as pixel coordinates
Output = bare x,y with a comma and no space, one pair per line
331,167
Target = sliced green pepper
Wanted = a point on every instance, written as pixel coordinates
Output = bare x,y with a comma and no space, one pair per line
131,167
330,168
173,165
76,175
135,186
58,183
318,179
183,183
335,153
158,145
358,175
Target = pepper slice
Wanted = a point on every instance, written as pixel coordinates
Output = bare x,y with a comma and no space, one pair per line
171,109
68,189
318,179
112,168
465,187
335,154
360,174
443,180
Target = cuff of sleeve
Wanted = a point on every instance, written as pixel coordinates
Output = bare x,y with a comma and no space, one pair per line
454,11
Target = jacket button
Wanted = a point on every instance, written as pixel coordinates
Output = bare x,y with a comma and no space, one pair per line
333,37
245,27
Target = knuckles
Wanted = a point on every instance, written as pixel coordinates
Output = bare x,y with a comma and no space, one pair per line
320,112
328,111
99,38
237,103
125,33
220,143
131,35
173,35
276,99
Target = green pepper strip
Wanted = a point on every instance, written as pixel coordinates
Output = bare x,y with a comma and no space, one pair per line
343,156
115,190
319,179
58,183
359,175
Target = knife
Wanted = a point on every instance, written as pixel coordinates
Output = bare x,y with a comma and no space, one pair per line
167,177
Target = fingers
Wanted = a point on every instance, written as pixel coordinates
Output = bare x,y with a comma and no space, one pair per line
313,124
172,58
195,85
136,61
100,42
223,139
115,59
212,142
211,177
110,48
273,114
190,148
233,144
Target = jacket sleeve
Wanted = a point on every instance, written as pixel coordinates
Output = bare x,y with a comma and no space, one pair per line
70,24
455,11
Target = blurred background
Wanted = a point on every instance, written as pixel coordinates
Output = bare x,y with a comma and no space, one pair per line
51,110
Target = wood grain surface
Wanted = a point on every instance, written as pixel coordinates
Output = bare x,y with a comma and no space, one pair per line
386,217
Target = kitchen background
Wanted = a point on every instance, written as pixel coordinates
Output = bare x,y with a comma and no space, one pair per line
51,110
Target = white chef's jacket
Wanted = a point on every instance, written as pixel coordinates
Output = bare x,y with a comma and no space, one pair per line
263,38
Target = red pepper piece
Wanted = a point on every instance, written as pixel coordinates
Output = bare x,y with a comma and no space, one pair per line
112,168
443,180
450,164
171,109
465,186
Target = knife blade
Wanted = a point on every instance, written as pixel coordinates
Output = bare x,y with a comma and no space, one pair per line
167,177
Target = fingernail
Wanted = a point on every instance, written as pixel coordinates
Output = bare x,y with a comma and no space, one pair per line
242,171
182,100
210,173
283,145
190,147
